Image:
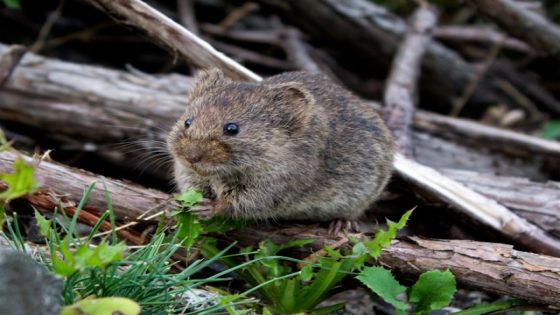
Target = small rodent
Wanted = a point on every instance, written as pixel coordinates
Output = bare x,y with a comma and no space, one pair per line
293,146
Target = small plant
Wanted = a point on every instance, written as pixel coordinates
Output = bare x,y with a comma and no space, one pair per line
100,269
289,289
20,182
433,290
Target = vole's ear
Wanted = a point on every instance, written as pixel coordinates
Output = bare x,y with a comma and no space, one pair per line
291,93
206,79
293,103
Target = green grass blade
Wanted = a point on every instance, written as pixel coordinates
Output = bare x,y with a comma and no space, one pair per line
85,197
111,214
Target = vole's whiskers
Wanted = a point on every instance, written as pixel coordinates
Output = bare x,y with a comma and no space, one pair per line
146,153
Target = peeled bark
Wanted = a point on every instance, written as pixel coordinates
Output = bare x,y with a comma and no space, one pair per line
485,266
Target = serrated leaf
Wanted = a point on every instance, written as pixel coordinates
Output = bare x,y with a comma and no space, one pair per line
381,282
43,224
383,238
102,306
21,182
61,267
433,290
190,198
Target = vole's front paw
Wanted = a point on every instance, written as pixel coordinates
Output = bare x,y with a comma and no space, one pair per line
208,208
205,209
343,226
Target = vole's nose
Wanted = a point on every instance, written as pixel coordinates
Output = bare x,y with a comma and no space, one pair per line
193,156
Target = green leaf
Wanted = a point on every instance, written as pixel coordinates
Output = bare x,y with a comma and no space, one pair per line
21,182
190,198
306,272
43,223
109,253
383,238
12,4
381,282
61,267
433,290
102,306
188,229
551,130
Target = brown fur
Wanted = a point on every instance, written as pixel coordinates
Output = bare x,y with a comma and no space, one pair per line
306,148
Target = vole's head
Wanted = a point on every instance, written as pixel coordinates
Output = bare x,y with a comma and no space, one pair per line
234,126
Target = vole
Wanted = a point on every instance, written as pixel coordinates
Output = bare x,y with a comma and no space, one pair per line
293,146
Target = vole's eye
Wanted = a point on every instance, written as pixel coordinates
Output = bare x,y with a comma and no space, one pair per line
231,129
188,122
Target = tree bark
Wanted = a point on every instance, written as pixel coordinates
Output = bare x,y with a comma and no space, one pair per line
373,34
485,266
482,266
75,101
400,95
515,19
171,36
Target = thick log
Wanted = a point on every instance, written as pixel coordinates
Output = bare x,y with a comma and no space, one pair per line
73,101
485,266
64,185
371,32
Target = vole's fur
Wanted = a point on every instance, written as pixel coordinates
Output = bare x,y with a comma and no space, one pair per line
306,148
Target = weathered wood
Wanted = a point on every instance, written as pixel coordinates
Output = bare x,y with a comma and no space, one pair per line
432,184
497,139
9,60
171,36
64,185
536,201
530,26
73,101
485,266
400,95
372,33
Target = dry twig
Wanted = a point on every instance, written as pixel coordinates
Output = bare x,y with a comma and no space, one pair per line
400,93
515,19
479,35
173,37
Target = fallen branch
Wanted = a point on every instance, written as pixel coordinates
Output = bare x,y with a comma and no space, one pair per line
170,35
400,106
478,34
434,185
482,266
65,185
400,94
538,202
515,19
126,120
485,266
